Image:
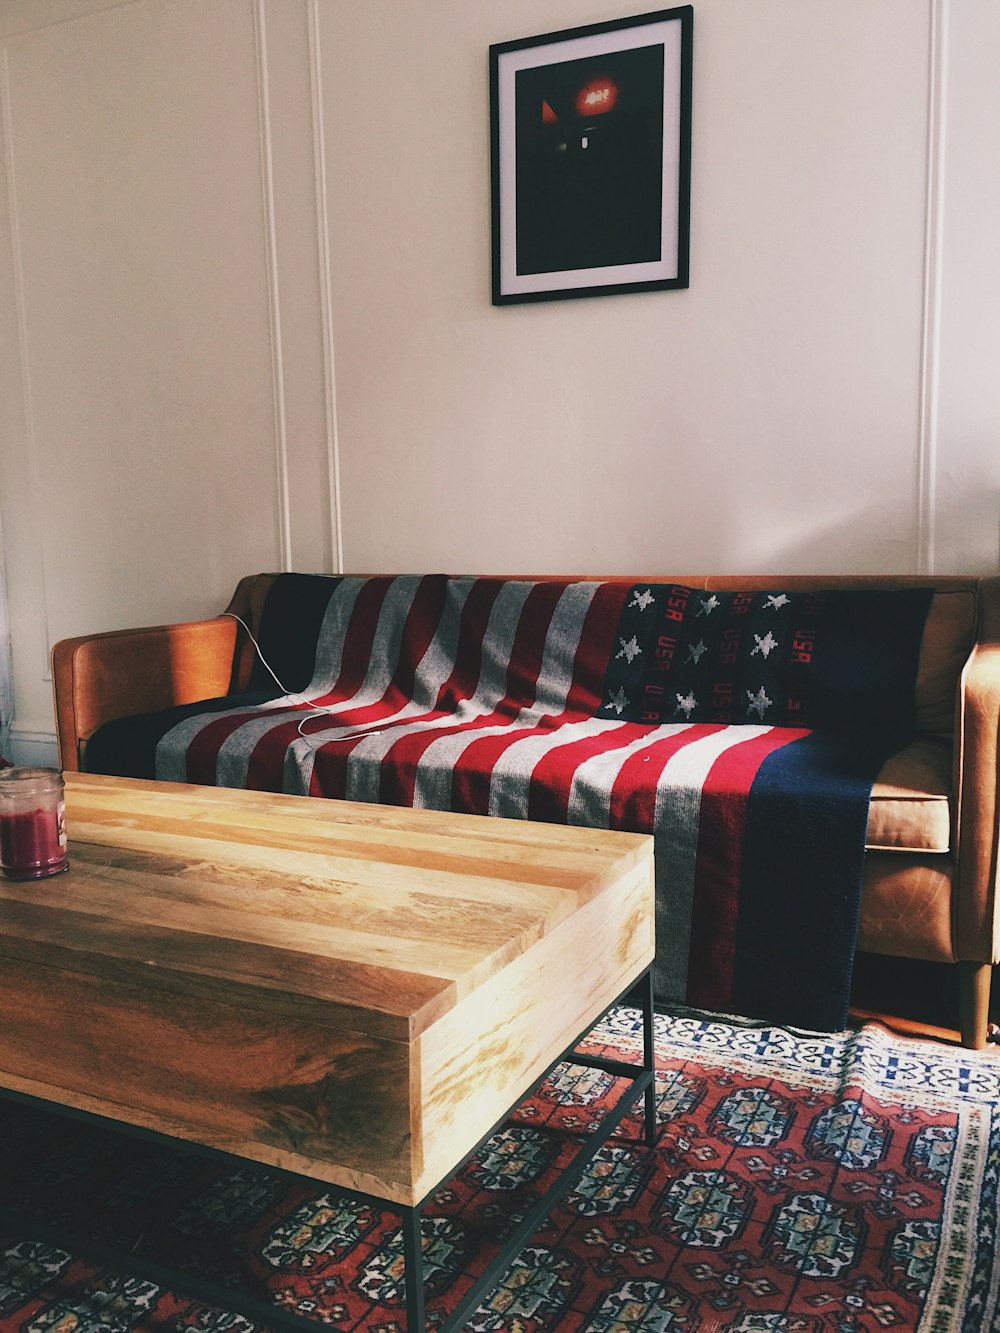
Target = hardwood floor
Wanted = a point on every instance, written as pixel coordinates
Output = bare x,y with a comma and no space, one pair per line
913,998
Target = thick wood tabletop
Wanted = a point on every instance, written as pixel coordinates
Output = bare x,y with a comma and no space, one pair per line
289,936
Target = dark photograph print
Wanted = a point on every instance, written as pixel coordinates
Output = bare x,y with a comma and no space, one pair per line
591,159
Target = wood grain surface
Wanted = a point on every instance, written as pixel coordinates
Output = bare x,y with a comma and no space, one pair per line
356,992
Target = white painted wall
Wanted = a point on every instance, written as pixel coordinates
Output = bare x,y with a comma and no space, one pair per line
765,419
967,445
165,402
202,201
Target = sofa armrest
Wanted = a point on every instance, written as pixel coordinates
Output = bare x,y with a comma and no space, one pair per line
977,751
120,673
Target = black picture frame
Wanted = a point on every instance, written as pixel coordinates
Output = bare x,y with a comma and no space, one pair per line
591,159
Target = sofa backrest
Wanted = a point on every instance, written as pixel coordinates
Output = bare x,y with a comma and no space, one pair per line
949,632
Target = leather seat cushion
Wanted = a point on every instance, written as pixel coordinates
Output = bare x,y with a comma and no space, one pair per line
906,907
949,635
910,809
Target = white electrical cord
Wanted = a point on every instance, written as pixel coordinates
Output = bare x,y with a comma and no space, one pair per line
293,694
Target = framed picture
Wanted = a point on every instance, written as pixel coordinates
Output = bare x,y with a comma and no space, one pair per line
591,159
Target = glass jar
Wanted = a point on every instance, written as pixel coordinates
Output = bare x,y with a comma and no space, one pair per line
32,823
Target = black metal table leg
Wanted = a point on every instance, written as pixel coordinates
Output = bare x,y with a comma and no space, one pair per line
413,1260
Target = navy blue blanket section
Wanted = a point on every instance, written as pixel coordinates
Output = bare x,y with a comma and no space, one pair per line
825,658
290,626
800,891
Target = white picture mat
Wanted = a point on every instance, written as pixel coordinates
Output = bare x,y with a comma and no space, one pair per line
666,34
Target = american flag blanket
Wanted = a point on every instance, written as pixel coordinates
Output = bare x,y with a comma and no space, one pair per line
742,730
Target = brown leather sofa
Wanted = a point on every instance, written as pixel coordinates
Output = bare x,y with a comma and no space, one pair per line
931,871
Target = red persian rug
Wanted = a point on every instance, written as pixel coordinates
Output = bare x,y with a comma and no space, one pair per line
801,1184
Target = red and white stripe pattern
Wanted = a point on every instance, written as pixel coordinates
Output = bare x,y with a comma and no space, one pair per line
488,696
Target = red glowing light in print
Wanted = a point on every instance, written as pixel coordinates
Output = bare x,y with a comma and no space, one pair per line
597,97
549,117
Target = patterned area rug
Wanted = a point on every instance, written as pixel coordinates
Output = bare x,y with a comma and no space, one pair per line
801,1184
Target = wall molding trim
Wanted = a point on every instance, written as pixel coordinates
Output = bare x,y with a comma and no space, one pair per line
33,746
273,288
24,369
6,666
325,290
930,317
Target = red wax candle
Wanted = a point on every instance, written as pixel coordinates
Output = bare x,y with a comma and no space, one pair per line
29,843
32,823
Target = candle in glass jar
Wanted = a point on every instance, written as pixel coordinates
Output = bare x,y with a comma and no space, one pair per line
32,823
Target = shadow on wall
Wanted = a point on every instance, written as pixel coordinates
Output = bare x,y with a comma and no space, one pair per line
967,525
863,539
860,539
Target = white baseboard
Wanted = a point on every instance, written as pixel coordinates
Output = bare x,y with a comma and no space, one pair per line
34,747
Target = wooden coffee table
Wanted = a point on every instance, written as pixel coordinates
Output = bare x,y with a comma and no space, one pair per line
353,993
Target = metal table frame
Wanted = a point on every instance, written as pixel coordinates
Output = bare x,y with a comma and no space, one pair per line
641,1081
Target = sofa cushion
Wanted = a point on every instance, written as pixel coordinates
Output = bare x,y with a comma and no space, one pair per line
907,906
949,636
909,809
